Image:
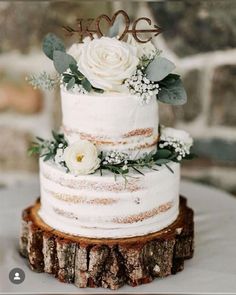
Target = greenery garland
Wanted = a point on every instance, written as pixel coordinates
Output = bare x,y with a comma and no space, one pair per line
47,149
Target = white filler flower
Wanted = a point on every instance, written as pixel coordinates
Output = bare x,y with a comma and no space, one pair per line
177,134
81,157
180,140
107,62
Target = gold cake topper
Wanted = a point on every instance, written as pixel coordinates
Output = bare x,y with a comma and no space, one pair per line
89,27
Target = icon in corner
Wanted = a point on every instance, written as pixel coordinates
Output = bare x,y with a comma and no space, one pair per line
17,276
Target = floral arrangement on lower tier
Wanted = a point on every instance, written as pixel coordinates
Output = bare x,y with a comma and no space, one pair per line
82,157
108,64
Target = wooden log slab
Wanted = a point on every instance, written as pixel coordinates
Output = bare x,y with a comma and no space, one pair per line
108,263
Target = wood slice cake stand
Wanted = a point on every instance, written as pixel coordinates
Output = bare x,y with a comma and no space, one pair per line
108,263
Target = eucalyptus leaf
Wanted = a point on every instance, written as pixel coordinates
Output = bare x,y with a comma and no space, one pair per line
62,61
159,68
170,79
50,43
86,84
73,68
172,91
70,84
75,71
115,28
163,153
66,79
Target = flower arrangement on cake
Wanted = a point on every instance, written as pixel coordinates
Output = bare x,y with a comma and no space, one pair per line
82,156
90,227
108,64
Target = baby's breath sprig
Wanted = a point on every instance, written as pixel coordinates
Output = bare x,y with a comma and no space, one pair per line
180,148
115,157
139,85
120,163
44,81
114,161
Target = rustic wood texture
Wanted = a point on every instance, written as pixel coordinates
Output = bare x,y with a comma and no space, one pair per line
108,263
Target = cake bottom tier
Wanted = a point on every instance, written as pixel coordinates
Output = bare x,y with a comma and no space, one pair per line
108,263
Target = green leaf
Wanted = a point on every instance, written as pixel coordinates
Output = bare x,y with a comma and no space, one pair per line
47,157
190,156
70,84
75,71
66,79
137,170
34,150
39,139
50,43
62,61
170,79
168,167
159,68
172,91
86,84
73,68
115,28
163,153
98,90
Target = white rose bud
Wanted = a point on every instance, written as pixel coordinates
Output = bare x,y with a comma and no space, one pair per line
81,157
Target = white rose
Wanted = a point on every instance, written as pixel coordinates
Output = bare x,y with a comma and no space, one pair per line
81,157
147,49
75,50
176,134
107,62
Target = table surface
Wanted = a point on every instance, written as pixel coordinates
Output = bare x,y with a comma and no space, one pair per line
211,270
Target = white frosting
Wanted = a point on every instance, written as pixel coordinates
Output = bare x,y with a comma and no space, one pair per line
113,121
100,207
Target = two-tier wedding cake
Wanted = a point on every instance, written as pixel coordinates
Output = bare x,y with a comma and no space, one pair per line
110,211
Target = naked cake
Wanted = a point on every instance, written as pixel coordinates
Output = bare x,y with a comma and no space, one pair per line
110,211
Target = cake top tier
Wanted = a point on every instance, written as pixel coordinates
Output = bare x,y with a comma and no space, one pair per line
112,121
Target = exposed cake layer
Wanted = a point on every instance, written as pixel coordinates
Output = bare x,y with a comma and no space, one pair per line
112,121
95,206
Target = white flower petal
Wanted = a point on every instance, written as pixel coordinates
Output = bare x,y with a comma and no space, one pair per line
107,62
81,157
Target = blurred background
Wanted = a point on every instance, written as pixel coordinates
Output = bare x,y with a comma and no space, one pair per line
199,36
